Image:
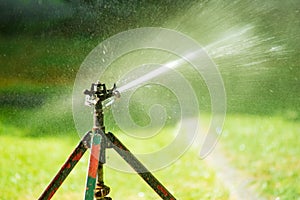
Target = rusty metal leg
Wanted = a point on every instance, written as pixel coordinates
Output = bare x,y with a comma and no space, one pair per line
102,190
67,167
139,168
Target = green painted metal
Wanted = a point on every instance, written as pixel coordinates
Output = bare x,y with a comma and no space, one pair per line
93,166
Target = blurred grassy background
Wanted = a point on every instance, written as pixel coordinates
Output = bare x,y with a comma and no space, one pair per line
29,170
255,45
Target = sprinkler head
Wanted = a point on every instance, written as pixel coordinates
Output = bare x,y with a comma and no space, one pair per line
98,92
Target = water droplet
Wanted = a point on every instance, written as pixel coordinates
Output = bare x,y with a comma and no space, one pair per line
277,48
264,185
141,194
218,130
15,178
242,147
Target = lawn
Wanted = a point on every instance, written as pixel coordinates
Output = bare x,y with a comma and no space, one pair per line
267,150
29,163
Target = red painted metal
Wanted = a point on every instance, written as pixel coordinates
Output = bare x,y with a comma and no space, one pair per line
93,166
66,168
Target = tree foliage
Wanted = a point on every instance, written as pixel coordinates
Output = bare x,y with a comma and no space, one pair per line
84,17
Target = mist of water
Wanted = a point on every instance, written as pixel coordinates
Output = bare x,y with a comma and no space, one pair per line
255,46
157,72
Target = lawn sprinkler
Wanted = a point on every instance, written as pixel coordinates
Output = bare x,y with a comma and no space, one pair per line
98,141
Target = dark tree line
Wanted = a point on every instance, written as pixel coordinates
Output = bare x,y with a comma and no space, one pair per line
84,17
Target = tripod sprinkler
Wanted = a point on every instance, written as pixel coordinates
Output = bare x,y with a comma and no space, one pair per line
98,140
95,97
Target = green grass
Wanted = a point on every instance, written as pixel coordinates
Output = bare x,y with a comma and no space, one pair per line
28,164
267,150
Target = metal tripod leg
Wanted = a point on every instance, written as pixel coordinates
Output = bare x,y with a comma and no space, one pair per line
93,166
97,159
139,168
67,167
102,190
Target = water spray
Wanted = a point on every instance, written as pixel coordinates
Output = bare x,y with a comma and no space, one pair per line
159,71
